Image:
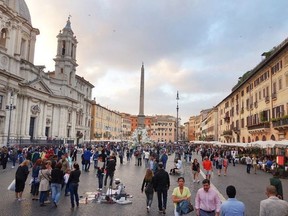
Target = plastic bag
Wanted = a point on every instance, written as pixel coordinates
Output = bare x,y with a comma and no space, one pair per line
12,186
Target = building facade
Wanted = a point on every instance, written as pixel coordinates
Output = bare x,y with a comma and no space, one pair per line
106,123
163,128
257,107
35,106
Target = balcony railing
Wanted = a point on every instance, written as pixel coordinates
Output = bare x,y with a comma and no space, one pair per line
280,122
227,133
261,125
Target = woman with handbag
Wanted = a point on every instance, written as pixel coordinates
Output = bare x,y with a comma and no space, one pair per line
147,186
181,198
45,178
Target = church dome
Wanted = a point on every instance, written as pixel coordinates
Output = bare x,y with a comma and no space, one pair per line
20,7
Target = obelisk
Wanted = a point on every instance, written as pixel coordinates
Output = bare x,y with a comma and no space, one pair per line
141,116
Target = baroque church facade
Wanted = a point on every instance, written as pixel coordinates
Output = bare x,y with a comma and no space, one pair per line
38,107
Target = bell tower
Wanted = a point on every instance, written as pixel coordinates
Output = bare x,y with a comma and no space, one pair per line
65,61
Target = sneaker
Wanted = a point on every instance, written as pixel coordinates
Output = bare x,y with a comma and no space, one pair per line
47,202
160,211
13,167
198,181
55,204
164,212
194,181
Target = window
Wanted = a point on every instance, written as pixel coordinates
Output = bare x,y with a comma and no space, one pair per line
280,83
63,47
274,88
23,48
3,37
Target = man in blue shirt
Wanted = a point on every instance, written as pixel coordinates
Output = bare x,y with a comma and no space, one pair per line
232,206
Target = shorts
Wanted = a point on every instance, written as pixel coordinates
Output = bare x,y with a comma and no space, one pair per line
208,172
219,167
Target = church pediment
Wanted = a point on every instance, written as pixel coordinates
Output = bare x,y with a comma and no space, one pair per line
39,85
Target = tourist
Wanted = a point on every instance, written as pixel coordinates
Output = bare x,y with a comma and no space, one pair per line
219,164
44,177
273,206
66,178
207,201
248,164
87,155
100,172
195,170
207,166
161,184
254,163
56,183
147,187
232,206
180,194
225,165
35,179
4,157
275,181
110,169
73,182
20,179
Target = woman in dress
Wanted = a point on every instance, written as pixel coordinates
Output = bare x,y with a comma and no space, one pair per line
147,186
195,170
20,179
180,193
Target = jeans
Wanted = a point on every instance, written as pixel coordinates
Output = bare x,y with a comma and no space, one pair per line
248,168
100,180
111,175
162,198
56,192
66,189
43,197
149,198
35,188
87,165
73,187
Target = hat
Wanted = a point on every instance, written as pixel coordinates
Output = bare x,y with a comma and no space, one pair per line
117,181
160,164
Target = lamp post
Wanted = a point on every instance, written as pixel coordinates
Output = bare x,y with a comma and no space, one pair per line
177,109
10,108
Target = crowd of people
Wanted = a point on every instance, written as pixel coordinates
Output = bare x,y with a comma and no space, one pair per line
55,169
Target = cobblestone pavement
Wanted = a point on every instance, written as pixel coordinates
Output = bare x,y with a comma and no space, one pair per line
250,190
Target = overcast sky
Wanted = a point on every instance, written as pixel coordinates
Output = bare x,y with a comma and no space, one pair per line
198,47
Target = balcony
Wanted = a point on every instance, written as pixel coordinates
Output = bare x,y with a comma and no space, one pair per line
280,124
227,133
267,99
274,96
262,127
236,130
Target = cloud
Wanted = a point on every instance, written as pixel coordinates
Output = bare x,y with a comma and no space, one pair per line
199,48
